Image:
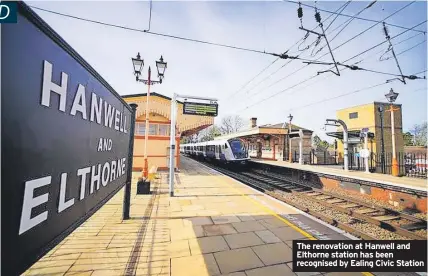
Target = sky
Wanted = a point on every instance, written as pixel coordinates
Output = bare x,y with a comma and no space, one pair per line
211,71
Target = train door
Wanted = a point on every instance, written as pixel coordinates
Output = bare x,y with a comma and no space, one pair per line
221,152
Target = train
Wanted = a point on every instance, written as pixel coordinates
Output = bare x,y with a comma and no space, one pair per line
230,151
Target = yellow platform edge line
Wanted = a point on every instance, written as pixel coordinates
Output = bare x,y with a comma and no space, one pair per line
273,213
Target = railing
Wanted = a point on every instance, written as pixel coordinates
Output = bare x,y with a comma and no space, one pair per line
409,164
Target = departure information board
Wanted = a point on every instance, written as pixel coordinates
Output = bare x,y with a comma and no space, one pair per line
201,109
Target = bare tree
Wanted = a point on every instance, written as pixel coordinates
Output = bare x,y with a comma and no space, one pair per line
231,124
419,133
209,133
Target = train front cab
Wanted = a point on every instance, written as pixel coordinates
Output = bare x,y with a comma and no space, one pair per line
239,151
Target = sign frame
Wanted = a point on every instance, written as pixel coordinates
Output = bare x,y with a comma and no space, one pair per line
15,264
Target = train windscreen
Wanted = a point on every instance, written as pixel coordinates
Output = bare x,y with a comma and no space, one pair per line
238,148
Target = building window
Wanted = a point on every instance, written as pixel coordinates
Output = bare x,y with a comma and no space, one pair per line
153,129
164,130
353,115
140,128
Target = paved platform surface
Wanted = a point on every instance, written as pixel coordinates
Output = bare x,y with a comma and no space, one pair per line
407,182
213,226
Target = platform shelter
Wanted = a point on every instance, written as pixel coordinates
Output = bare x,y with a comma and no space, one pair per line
159,129
271,141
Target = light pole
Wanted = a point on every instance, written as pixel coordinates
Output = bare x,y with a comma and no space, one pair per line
391,97
138,64
345,139
382,156
290,155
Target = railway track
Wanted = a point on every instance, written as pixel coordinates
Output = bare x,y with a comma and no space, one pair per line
367,221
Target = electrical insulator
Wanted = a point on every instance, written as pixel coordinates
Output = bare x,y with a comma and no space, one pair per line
318,17
412,77
300,12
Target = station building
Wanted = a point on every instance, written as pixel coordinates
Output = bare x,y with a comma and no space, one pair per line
267,141
159,129
368,116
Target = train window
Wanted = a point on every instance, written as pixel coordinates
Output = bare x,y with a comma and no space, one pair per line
225,146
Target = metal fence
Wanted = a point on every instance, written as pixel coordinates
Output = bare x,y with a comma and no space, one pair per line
409,164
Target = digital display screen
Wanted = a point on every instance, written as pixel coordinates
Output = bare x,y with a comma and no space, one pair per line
201,109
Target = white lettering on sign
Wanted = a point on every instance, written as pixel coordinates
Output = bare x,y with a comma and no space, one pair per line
79,101
116,119
49,86
96,108
104,144
95,178
62,205
108,114
110,171
30,202
82,173
106,172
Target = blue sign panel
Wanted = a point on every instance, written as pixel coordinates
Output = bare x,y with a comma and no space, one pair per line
65,140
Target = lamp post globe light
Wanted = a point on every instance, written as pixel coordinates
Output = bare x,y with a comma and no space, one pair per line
138,65
391,97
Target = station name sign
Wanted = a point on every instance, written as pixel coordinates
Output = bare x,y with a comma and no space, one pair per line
65,142
201,109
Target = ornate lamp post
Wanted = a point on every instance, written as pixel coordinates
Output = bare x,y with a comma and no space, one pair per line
138,64
391,97
290,155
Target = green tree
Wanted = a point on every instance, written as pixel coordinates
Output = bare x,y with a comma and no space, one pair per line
319,144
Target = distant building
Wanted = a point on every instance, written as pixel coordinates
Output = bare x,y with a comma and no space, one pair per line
368,116
159,129
267,141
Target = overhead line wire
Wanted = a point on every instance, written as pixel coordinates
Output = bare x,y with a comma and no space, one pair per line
398,43
248,82
337,15
351,16
377,45
280,92
158,34
347,41
343,95
346,23
338,96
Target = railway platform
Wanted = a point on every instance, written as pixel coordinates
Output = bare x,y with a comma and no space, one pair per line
403,182
213,225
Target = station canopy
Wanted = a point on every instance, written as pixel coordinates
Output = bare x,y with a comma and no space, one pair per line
160,110
264,132
352,134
